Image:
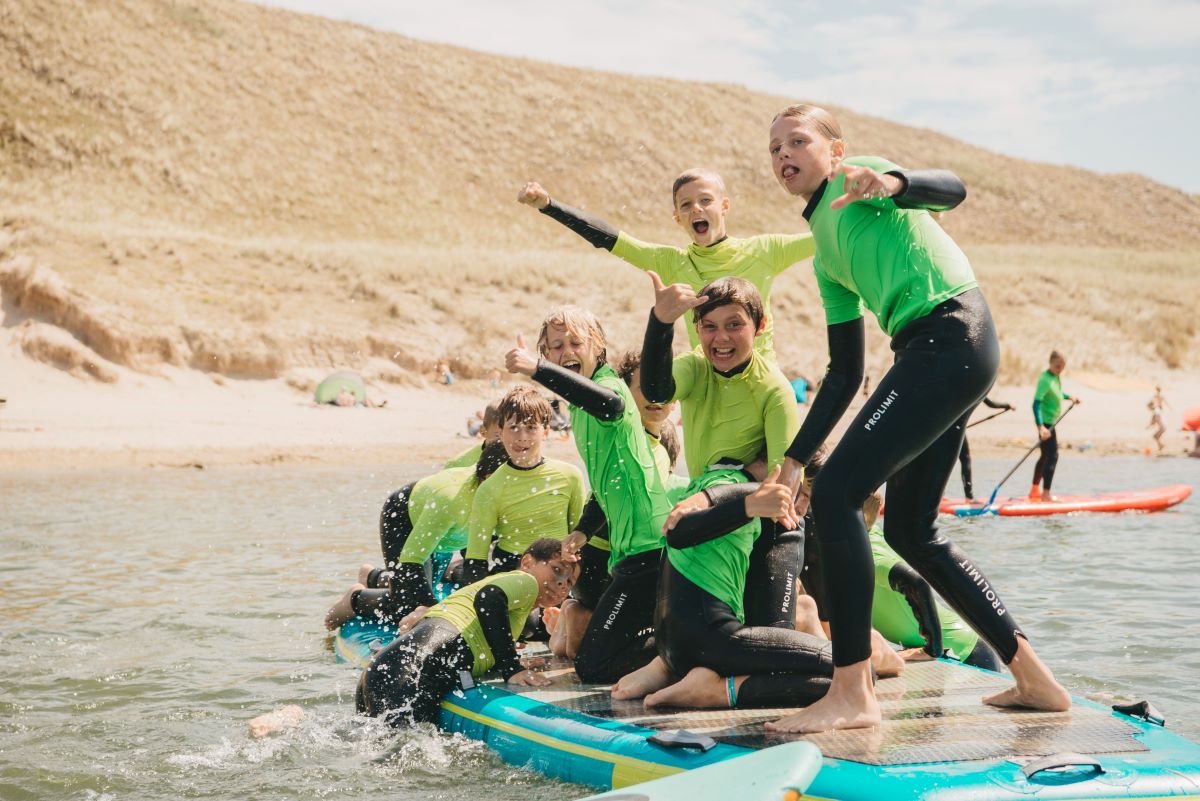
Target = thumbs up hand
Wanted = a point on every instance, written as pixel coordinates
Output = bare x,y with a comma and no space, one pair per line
520,360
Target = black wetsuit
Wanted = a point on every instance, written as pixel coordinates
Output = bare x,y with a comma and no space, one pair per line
407,680
908,435
964,454
693,628
1047,463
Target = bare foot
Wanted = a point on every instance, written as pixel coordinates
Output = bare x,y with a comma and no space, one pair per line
1036,687
281,719
914,655
849,704
364,573
701,688
642,681
550,616
343,610
572,623
887,662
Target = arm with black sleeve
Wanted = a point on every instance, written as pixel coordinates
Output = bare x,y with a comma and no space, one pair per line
601,403
696,528
491,605
596,231
842,380
592,521
919,595
657,381
934,190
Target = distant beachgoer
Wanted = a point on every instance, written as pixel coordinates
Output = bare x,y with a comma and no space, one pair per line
443,374
801,386
494,378
964,455
866,393
1156,422
1159,400
1047,403
699,206
475,423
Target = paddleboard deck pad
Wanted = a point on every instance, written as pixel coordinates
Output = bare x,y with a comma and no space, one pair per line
1146,500
937,740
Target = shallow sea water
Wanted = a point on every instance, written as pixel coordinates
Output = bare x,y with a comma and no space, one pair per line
147,615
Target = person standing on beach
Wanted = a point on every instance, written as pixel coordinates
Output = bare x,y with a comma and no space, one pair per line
879,248
1047,405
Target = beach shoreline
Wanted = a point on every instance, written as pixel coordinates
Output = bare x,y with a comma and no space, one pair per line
189,419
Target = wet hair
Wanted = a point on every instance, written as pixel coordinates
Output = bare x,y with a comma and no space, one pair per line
525,404
545,549
578,321
668,436
817,117
813,468
695,174
730,290
490,459
491,414
627,365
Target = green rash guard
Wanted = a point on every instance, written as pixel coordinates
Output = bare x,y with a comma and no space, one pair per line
718,566
892,617
520,506
459,609
898,263
467,458
671,483
758,259
622,471
440,510
1047,399
731,418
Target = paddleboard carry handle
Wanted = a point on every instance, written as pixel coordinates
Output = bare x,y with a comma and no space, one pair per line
1142,710
682,738
1060,761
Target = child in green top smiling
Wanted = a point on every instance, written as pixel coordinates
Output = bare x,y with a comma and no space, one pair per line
699,206
625,483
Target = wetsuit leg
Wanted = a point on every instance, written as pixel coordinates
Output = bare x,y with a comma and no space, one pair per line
395,525
909,434
406,681
593,576
1043,471
619,639
964,461
695,629
775,564
811,576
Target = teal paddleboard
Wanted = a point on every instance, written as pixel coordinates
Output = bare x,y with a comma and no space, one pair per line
937,740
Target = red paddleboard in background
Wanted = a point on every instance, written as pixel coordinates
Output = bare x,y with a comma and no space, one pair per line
1191,419
1146,500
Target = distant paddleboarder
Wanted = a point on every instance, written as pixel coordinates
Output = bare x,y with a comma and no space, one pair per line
1047,409
964,455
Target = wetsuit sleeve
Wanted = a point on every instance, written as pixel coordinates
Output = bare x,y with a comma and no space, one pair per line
919,595
723,493
491,606
784,250
657,375
593,229
645,256
781,421
592,521
601,403
705,525
842,379
1037,411
991,404
935,190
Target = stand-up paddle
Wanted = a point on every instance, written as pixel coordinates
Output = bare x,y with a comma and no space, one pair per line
983,509
991,416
